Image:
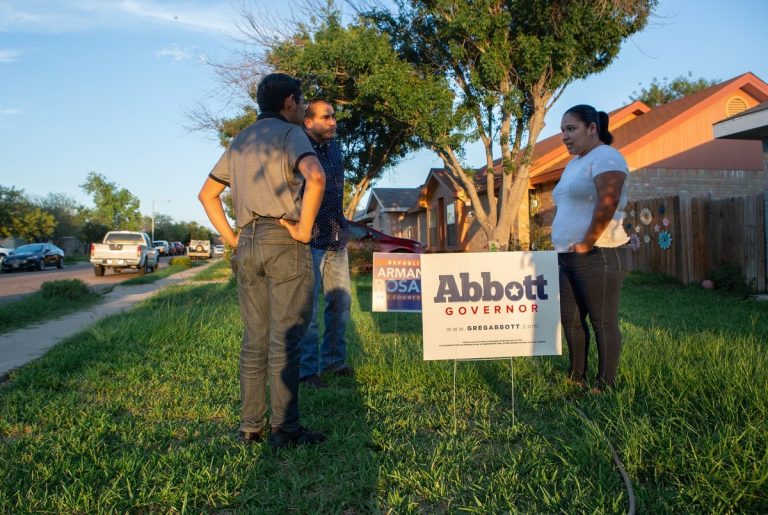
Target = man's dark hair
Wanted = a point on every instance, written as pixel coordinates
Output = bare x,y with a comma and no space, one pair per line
274,89
310,110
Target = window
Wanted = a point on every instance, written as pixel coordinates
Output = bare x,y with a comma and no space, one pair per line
450,224
432,219
422,230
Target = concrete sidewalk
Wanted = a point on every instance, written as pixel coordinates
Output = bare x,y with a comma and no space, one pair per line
24,345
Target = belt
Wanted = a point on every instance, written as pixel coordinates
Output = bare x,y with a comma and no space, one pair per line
264,220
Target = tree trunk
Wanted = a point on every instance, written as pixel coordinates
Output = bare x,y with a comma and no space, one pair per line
359,190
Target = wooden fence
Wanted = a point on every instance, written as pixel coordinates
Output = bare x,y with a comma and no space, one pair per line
688,238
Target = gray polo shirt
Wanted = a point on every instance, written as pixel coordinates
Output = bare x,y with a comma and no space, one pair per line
261,168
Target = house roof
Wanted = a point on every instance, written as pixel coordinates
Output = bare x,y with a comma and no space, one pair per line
435,176
392,199
397,199
645,125
635,126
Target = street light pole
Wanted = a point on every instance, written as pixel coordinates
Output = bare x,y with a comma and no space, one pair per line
153,217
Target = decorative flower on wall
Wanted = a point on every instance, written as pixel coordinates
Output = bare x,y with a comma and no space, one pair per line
647,239
634,242
665,240
628,227
645,216
656,228
665,222
632,214
662,209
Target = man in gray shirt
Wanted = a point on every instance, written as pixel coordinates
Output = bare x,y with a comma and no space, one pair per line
277,186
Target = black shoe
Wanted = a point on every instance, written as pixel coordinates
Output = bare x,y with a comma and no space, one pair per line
251,436
301,436
314,381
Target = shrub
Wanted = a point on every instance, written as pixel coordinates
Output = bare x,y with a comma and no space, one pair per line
729,277
636,278
360,255
181,260
65,289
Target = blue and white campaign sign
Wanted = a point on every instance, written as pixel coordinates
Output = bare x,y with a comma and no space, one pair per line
490,305
396,282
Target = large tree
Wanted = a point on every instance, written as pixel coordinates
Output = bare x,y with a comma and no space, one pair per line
166,228
116,207
351,67
508,61
69,214
664,91
20,218
356,69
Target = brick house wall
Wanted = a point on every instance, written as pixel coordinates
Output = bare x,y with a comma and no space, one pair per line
659,182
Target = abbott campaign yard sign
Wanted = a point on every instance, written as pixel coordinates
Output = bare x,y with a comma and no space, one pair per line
490,305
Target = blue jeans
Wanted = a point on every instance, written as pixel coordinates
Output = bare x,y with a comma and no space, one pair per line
332,275
274,288
590,285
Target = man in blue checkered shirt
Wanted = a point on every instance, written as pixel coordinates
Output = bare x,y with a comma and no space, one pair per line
330,235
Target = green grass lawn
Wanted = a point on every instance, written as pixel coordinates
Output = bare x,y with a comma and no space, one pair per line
46,304
159,274
72,259
40,307
139,414
220,269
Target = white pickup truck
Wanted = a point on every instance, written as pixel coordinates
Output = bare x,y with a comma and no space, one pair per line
124,249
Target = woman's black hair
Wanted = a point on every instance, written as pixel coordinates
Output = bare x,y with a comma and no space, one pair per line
589,114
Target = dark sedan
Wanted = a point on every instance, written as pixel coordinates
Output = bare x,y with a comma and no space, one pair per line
34,256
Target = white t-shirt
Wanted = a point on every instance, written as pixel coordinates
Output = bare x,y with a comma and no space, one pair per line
575,197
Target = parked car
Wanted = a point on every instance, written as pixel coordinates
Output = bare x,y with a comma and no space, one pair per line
4,251
362,235
218,250
179,248
124,249
162,247
34,256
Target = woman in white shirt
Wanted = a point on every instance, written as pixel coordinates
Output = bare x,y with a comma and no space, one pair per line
589,236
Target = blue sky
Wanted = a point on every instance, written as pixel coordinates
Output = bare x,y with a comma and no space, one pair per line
103,85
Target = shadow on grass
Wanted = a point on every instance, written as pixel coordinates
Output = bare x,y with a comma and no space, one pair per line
473,452
337,476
